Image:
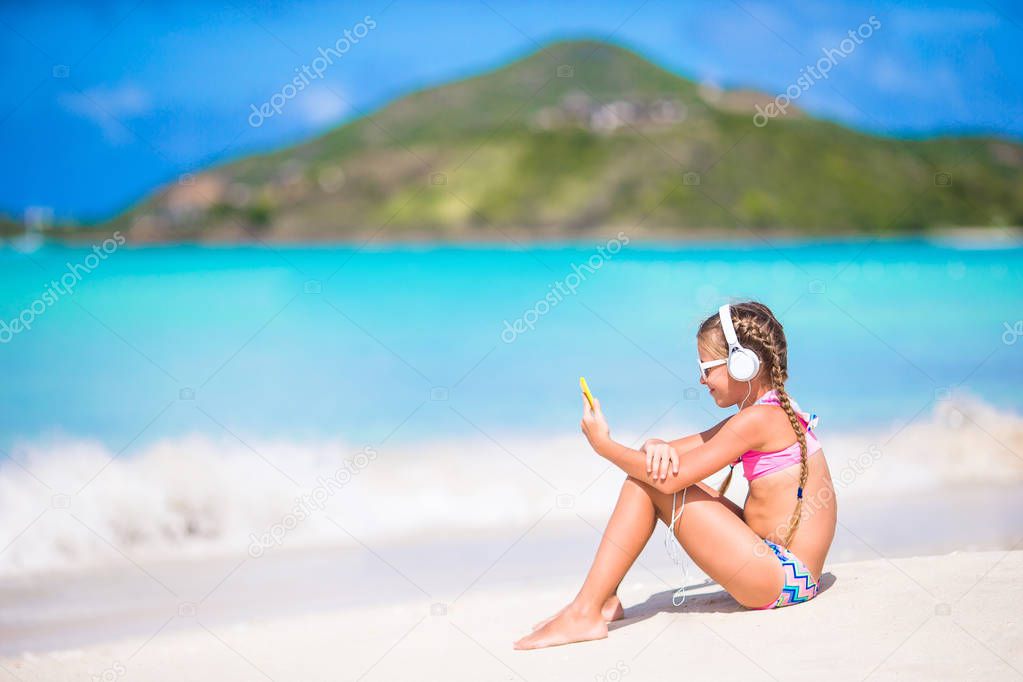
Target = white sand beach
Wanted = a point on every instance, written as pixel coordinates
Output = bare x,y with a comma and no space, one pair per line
948,617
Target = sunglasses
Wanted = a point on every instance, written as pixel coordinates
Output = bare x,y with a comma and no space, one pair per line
704,366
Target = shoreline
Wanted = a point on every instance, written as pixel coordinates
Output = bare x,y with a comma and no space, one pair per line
1012,235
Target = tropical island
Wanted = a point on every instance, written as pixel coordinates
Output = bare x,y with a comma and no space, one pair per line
579,137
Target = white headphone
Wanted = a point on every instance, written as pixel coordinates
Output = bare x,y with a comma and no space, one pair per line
743,364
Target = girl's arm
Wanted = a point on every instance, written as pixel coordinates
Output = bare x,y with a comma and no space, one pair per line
687,443
662,456
700,462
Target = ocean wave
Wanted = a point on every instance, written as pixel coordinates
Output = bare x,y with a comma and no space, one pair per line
67,504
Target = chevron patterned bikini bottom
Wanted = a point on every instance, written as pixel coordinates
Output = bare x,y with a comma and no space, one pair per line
799,583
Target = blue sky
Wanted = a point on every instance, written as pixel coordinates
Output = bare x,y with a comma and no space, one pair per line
102,102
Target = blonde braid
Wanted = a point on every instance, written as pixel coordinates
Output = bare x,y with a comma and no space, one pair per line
751,330
804,470
728,479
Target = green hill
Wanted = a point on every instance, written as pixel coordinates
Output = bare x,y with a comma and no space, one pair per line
584,135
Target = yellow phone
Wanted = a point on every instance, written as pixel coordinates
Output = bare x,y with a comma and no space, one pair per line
586,391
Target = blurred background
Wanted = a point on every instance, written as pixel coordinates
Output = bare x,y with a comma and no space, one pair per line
295,295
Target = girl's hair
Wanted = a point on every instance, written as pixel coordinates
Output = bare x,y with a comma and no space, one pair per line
759,330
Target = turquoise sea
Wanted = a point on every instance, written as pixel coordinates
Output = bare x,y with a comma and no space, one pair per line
312,341
183,395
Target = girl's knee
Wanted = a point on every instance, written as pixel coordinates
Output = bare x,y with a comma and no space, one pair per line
631,480
635,485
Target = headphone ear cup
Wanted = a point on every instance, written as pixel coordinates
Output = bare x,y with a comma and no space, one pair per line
743,364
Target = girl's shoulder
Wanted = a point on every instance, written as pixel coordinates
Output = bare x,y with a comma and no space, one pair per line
772,424
758,424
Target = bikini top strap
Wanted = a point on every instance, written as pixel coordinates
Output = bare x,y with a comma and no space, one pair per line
771,397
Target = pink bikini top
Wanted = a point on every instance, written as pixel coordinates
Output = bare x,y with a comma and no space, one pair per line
756,463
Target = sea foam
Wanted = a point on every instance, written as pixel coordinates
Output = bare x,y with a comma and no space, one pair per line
68,504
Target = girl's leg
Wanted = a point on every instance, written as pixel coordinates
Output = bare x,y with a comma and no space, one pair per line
629,529
722,545
631,524
712,534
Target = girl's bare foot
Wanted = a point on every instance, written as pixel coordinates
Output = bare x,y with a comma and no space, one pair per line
571,625
611,610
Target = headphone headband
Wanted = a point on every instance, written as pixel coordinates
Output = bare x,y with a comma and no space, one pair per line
725,313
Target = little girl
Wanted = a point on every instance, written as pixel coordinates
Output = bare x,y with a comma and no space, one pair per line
766,554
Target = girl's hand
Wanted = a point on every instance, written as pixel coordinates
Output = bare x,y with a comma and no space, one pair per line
594,425
651,441
660,458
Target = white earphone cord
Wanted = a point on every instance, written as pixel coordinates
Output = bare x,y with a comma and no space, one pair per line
749,391
674,549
